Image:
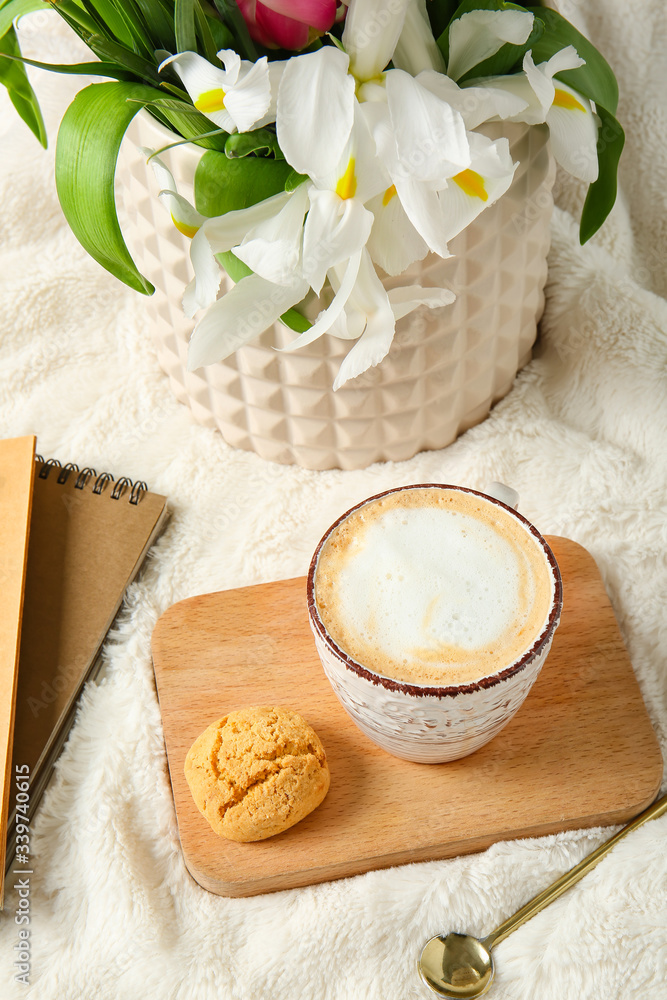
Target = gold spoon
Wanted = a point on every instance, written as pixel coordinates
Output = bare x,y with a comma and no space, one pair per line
459,966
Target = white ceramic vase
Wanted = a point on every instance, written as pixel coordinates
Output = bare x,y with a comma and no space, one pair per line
445,370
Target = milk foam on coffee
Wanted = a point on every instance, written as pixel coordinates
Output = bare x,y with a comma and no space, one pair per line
433,586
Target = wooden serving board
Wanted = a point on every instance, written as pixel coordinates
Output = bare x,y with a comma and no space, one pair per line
580,752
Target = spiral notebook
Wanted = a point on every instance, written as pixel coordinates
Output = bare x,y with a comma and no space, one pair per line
88,536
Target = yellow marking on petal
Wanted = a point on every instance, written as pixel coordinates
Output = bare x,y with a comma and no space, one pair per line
211,100
184,228
389,194
347,184
472,184
563,99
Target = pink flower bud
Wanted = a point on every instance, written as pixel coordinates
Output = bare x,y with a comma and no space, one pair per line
288,24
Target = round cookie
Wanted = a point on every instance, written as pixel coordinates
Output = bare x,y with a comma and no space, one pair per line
256,772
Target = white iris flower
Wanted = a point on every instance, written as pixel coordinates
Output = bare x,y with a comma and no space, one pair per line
237,98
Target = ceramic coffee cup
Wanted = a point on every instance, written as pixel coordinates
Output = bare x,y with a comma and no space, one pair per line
433,609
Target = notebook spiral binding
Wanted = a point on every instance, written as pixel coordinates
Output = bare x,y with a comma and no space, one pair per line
120,487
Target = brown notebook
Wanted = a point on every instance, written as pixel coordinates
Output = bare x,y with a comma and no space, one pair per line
88,538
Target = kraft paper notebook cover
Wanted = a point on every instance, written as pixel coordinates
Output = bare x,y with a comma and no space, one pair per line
88,538
16,474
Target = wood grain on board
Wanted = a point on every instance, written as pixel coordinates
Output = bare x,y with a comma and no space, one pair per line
580,752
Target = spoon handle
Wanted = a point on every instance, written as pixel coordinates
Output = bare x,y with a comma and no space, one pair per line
562,884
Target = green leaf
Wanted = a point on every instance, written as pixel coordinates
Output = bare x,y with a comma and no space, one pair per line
235,268
110,51
602,192
80,69
16,8
161,22
224,185
595,79
440,13
232,17
294,180
296,321
262,142
21,94
222,36
86,156
184,19
207,47
78,20
189,122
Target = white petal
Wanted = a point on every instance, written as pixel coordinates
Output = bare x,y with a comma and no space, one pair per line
360,173
517,88
186,219
409,297
184,216
375,341
315,110
430,136
474,104
573,130
231,60
226,231
564,59
417,49
372,29
273,248
423,208
163,174
238,317
334,231
487,179
218,235
331,314
394,242
479,34
203,289
206,84
249,99
540,82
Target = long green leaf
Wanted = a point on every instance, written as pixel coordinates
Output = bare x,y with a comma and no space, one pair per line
86,156
595,79
76,18
110,51
231,15
207,47
161,23
21,94
188,122
80,69
602,192
16,8
184,20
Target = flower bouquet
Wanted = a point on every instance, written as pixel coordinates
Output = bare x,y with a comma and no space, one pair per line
341,143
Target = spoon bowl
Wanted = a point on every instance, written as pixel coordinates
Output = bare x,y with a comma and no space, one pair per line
456,966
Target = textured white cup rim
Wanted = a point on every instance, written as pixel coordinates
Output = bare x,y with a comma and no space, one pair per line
421,690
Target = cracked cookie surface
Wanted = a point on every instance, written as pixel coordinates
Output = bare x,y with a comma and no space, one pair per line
256,772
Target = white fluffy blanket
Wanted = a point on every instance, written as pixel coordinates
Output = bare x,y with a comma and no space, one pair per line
582,437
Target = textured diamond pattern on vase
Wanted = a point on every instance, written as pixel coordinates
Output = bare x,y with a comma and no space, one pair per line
445,369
